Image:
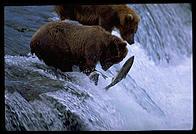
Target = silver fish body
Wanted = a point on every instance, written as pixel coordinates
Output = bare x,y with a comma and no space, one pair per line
122,73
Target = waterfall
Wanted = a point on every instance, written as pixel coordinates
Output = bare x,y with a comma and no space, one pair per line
157,93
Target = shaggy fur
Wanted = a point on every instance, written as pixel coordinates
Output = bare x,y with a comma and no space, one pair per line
108,16
62,45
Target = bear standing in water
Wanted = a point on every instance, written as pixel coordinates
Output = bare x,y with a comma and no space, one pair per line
122,17
62,45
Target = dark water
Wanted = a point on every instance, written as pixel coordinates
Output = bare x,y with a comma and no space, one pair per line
37,97
21,22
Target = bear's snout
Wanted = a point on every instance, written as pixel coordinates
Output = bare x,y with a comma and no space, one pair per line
130,40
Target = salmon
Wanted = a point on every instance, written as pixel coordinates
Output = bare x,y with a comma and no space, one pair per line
122,73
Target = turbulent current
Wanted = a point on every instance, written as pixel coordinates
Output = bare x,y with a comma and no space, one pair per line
157,93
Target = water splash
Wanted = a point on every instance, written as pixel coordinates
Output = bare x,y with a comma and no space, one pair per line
156,94
165,31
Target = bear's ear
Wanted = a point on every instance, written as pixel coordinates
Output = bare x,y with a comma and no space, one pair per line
126,18
129,17
118,42
117,46
121,47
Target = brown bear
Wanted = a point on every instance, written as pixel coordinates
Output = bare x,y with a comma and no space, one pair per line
62,45
108,16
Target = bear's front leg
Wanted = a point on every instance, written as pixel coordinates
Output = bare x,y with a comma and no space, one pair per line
90,71
88,64
85,68
94,76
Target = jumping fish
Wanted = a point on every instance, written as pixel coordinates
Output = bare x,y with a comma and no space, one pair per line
122,73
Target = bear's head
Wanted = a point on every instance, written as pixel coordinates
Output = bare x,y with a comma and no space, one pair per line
114,53
128,26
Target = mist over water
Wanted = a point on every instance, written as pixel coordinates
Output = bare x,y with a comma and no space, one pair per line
157,93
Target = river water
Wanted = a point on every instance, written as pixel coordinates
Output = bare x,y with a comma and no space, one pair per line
157,93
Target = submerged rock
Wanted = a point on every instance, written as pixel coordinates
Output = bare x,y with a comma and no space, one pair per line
39,98
27,109
23,115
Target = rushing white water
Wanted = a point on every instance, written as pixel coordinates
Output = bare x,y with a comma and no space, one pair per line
155,95
151,97
170,88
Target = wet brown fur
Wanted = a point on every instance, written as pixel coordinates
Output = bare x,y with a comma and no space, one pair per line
62,45
107,16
